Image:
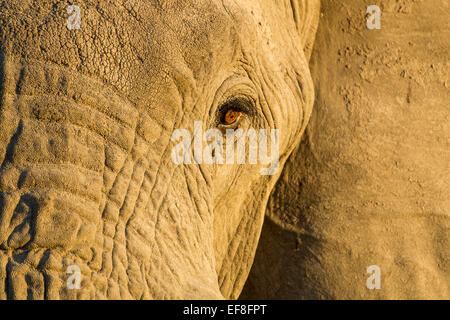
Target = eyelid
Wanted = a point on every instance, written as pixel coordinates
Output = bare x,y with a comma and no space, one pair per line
236,90
241,104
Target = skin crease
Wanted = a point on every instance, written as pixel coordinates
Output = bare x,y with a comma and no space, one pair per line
369,184
86,118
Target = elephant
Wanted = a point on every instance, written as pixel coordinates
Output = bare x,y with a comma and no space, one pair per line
97,96
369,184
92,205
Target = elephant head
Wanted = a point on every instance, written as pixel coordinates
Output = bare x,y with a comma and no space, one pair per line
87,115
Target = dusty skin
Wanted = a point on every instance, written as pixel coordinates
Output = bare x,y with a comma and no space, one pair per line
370,181
87,180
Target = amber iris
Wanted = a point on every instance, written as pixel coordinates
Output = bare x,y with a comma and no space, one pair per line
231,116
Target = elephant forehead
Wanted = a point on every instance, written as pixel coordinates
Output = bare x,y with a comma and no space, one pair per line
142,48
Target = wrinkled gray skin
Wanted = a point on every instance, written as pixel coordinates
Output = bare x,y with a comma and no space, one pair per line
86,118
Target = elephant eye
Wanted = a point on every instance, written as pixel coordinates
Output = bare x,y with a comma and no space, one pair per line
231,112
230,117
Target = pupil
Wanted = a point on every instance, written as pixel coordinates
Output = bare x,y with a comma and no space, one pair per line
231,116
